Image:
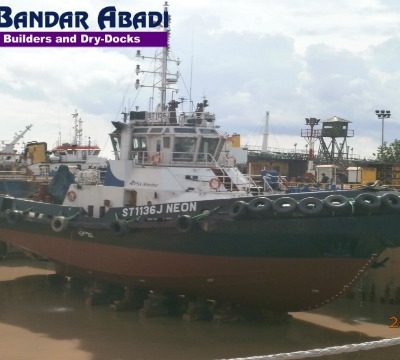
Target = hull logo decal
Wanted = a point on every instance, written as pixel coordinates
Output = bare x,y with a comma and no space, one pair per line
87,234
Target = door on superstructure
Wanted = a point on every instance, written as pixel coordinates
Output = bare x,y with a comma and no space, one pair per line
130,198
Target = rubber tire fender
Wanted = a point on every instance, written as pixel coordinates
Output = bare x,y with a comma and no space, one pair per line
184,223
119,228
368,201
14,216
336,202
285,205
391,201
59,223
260,205
310,206
238,209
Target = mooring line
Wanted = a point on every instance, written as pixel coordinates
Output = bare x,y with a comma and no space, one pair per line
332,350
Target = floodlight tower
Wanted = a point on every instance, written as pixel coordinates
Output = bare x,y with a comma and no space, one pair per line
383,114
311,135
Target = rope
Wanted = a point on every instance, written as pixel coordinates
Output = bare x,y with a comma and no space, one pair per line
333,350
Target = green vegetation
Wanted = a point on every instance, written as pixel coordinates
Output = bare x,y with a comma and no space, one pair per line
389,152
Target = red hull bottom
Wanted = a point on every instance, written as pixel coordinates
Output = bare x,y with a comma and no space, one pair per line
281,284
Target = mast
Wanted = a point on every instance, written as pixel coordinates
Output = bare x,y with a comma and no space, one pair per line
77,139
164,68
165,79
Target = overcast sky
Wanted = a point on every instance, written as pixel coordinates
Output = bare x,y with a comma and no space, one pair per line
294,58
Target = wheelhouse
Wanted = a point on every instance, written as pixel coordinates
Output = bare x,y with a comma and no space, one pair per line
190,139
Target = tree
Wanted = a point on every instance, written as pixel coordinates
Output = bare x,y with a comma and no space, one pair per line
389,153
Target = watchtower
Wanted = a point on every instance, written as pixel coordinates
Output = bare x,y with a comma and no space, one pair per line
333,140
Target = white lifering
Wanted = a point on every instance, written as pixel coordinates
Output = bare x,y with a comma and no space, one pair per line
59,223
71,195
214,183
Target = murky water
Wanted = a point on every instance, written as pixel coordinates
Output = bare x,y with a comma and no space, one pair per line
40,320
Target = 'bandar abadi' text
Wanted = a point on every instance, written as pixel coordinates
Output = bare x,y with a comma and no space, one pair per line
108,18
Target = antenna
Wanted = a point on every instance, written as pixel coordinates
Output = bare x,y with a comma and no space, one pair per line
77,137
165,79
191,77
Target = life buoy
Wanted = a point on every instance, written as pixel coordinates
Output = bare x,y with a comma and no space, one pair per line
285,205
390,202
14,216
184,223
368,201
71,195
214,183
336,202
238,209
155,159
310,206
260,205
59,223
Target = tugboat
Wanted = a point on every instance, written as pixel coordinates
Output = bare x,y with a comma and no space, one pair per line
172,215
76,154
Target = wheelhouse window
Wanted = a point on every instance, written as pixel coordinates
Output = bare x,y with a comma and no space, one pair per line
208,131
166,142
185,130
139,143
207,149
139,148
140,130
184,148
156,130
116,144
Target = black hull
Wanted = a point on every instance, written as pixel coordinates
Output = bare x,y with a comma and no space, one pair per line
285,263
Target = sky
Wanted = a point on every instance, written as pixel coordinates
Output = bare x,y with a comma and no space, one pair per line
293,58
